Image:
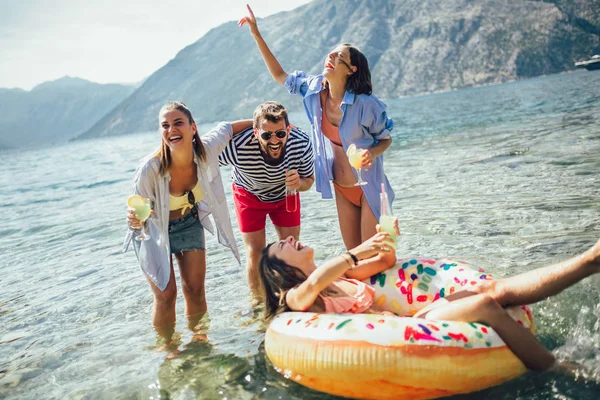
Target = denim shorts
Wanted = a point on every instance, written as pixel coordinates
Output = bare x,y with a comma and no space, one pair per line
186,233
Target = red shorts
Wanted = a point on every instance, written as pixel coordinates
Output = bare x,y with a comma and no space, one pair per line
252,212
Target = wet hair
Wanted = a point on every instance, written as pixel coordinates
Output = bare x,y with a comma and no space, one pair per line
270,111
276,279
360,81
164,153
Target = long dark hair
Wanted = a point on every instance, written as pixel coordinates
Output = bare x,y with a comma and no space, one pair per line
164,153
360,81
276,279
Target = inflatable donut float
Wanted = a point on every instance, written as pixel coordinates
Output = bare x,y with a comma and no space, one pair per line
371,356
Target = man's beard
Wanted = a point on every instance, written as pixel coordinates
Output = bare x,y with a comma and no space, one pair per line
267,156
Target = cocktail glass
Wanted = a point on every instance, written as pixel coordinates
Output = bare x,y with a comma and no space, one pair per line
387,224
355,159
142,208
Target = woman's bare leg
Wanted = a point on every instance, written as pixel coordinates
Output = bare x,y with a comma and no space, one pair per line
530,287
368,222
541,283
192,267
483,308
349,220
382,261
163,314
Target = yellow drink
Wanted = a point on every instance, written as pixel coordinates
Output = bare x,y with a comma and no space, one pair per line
140,205
142,208
143,212
386,222
355,159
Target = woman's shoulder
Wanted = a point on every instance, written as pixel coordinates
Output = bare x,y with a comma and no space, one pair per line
150,161
315,82
369,100
149,166
369,104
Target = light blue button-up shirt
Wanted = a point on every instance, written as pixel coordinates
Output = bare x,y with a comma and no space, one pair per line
364,122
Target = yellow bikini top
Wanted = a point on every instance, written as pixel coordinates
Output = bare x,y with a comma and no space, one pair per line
177,202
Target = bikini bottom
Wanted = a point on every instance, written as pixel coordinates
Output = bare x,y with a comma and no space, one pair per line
353,194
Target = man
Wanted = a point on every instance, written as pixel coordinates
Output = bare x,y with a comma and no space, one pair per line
266,159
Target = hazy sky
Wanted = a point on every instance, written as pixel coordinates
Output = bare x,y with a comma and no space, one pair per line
107,41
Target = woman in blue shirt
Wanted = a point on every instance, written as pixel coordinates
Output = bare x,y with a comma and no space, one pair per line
342,112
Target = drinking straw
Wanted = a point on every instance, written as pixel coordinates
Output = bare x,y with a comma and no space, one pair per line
384,202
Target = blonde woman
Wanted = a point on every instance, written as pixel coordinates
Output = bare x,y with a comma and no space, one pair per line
183,182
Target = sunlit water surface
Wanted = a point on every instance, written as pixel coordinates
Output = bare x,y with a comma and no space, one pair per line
505,177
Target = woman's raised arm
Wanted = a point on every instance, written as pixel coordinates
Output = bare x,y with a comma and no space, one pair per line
241,125
383,258
277,72
368,266
303,296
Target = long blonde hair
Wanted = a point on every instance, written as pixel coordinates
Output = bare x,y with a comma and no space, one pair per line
164,153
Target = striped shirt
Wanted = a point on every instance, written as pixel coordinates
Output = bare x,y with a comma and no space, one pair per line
251,171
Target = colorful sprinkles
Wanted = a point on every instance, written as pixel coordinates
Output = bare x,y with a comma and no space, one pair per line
404,290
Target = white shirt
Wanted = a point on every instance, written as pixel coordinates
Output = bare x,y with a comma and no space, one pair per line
154,254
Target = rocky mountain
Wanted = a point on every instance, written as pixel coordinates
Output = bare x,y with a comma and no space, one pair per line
55,112
413,46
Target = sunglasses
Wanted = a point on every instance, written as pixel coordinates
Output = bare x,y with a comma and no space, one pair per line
345,63
339,56
191,198
266,135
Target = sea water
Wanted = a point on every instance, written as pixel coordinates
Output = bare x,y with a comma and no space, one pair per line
505,177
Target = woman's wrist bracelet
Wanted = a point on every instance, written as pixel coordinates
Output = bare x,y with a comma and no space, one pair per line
353,257
348,260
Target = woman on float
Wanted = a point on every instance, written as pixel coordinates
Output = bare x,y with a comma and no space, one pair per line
292,282
342,112
183,182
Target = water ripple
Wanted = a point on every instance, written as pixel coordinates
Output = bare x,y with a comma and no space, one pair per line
504,177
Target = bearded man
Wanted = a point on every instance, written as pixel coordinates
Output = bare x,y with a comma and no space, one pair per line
266,159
